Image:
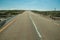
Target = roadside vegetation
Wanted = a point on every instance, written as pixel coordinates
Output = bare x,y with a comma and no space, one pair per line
5,15
51,14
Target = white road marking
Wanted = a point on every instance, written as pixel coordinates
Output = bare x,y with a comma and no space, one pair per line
35,27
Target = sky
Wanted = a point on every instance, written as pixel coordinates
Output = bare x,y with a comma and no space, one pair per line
29,4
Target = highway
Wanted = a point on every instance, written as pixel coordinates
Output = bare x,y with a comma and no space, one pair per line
31,26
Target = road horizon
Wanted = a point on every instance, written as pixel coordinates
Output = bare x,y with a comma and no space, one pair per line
24,28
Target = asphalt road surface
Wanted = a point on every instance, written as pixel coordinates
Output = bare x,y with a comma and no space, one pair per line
23,28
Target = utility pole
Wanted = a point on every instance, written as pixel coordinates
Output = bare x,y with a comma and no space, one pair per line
54,9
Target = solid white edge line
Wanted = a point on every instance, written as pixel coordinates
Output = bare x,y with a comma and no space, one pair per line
35,27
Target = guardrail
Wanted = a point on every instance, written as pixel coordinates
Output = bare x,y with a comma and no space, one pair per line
2,23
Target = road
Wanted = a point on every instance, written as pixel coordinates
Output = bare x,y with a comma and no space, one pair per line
23,28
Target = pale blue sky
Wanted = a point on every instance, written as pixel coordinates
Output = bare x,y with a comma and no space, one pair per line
30,4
